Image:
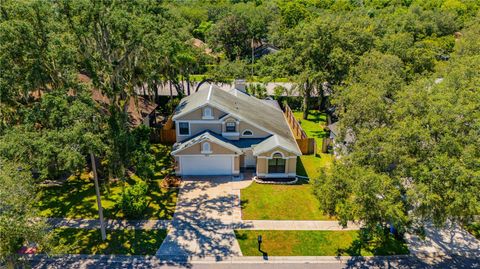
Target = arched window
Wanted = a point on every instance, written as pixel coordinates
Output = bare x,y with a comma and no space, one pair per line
276,164
206,148
247,133
207,113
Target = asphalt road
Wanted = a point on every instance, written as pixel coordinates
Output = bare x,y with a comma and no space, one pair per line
380,262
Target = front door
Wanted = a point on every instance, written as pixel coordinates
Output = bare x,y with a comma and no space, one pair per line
250,160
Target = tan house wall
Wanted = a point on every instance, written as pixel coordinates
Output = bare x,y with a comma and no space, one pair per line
236,163
261,166
242,160
197,149
291,162
197,114
284,152
257,133
292,166
196,128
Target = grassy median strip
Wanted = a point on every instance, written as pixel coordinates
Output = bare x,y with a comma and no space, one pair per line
124,242
313,243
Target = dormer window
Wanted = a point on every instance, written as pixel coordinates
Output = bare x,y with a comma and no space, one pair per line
231,127
247,133
207,113
206,148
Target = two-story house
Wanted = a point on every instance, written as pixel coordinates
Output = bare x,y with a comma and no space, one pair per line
221,132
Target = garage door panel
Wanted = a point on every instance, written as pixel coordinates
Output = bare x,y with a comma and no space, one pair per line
206,165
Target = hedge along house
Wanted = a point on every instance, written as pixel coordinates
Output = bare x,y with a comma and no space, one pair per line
223,132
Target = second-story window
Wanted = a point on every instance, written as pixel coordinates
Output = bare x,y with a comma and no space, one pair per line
207,113
230,127
184,128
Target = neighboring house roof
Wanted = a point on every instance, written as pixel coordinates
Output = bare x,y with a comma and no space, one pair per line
264,50
335,130
243,107
138,107
202,45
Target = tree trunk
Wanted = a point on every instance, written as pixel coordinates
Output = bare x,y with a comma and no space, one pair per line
306,97
99,200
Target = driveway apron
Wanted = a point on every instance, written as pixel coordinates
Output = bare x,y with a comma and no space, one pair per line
201,226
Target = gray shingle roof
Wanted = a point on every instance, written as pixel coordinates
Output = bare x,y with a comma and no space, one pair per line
247,108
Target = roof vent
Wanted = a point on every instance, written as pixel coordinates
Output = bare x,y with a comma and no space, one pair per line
240,85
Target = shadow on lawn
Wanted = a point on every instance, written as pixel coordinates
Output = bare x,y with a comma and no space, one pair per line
391,247
76,198
120,242
301,171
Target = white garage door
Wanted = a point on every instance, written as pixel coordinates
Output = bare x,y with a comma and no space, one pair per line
206,165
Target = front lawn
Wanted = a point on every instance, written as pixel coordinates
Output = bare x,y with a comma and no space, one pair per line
76,197
286,202
313,243
291,202
123,242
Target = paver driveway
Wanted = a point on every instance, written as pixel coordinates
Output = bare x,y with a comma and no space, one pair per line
201,226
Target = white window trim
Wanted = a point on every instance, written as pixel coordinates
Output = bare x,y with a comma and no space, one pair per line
189,128
205,116
230,134
247,130
236,127
209,151
275,152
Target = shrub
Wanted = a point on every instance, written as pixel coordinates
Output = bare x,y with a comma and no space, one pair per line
171,181
133,201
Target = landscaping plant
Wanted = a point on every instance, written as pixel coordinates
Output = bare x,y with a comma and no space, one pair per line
133,201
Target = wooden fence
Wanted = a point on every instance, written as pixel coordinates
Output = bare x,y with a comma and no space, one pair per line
166,134
297,130
306,144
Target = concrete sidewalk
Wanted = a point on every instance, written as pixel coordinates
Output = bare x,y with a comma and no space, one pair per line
110,224
233,223
304,225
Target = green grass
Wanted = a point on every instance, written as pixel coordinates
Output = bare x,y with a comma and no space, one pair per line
289,202
474,229
124,242
76,197
313,243
313,126
286,202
